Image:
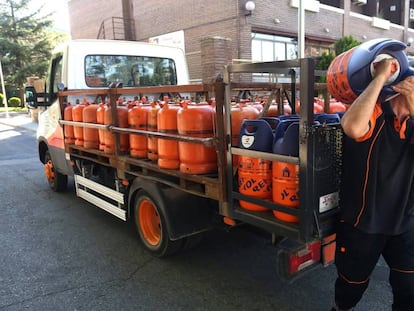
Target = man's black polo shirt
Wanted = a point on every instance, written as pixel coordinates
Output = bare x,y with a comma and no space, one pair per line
377,188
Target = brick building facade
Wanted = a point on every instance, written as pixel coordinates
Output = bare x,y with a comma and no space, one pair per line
224,31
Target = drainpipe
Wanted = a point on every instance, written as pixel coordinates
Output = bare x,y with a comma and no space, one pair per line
345,21
301,29
127,14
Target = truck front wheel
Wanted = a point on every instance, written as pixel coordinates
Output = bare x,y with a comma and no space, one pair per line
57,181
152,228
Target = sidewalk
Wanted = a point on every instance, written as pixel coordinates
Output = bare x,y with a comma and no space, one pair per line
20,120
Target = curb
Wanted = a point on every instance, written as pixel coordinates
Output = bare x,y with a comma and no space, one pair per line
18,120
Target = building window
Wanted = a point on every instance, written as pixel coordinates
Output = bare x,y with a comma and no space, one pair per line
315,50
266,48
334,3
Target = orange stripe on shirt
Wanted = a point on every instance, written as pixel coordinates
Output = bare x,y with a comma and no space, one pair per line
372,121
403,128
364,191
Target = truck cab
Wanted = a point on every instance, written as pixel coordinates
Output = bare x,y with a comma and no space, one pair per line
93,65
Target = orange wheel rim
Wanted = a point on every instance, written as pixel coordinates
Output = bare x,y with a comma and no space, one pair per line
150,222
50,175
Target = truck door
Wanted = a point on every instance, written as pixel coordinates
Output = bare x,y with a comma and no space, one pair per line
50,131
55,78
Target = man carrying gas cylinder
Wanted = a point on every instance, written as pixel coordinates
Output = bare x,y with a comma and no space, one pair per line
377,184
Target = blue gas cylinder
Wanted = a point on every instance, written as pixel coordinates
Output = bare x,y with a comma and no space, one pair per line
256,135
327,118
285,176
282,126
350,72
255,174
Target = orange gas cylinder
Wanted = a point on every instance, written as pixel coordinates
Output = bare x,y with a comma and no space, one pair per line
152,126
255,175
287,109
168,149
100,115
285,180
240,112
68,130
77,115
273,110
255,180
109,139
137,119
90,135
122,116
257,105
285,188
335,106
196,121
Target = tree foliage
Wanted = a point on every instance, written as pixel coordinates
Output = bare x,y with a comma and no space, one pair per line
26,41
344,44
341,45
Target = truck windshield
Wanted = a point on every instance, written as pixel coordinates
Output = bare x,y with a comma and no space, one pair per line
101,70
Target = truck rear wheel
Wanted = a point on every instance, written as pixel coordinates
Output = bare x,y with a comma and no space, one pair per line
151,225
57,181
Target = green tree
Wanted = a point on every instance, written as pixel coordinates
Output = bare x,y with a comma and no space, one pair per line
323,62
344,44
25,42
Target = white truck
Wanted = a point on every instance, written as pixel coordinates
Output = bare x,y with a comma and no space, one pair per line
170,207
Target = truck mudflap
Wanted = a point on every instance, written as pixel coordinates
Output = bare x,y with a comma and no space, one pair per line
185,214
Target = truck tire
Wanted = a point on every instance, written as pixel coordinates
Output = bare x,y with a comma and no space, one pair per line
152,226
57,181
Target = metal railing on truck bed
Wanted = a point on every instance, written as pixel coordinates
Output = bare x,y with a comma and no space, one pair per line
206,185
319,157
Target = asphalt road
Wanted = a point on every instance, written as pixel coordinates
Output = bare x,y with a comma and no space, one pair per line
58,252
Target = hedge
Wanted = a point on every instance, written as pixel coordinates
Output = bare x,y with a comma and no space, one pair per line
14,102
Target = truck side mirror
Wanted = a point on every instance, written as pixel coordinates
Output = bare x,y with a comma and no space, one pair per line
41,95
36,94
30,94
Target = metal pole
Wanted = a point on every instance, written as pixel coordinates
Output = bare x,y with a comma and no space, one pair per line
4,90
301,29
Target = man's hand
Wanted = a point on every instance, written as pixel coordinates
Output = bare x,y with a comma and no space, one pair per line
385,68
406,89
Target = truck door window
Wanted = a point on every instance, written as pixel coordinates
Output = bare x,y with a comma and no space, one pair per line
55,77
101,70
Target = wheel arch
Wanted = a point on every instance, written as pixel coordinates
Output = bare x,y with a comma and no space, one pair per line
42,148
61,164
185,214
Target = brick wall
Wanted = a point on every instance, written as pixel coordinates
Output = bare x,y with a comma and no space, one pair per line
226,19
215,54
86,16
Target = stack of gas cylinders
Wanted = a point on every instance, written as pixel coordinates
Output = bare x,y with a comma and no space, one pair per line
163,116
275,132
275,181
